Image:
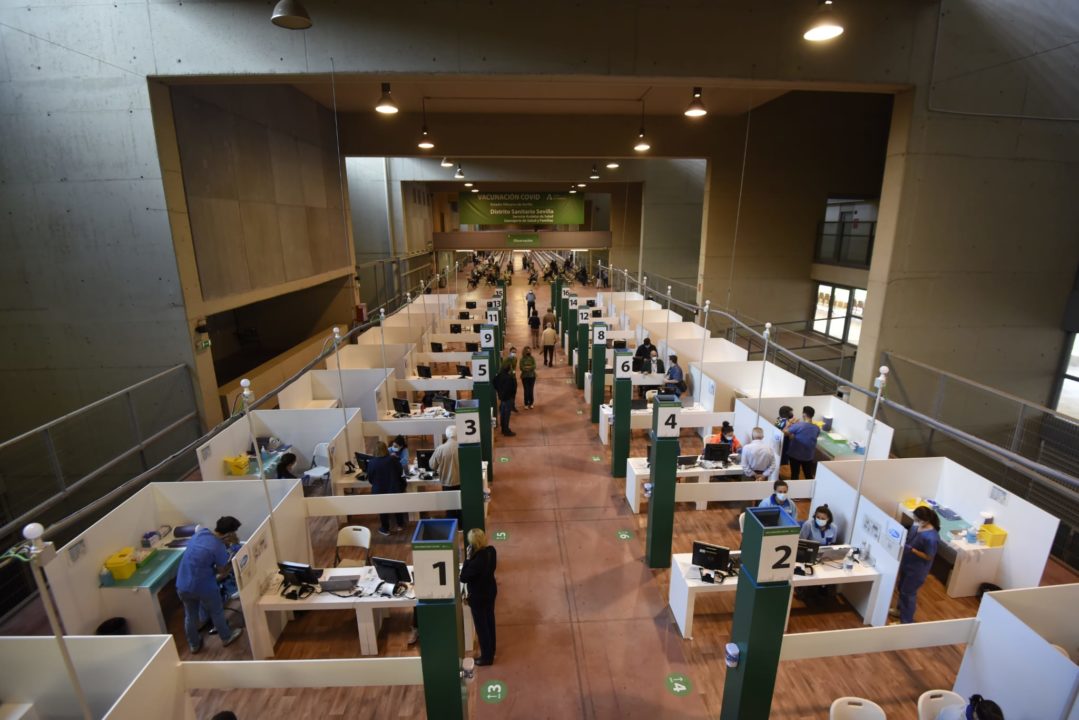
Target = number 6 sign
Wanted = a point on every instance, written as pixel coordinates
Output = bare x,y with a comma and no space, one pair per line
623,365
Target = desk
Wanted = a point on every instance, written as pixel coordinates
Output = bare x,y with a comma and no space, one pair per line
686,585
972,563
136,597
637,472
389,426
837,449
452,384
270,459
413,483
696,416
370,611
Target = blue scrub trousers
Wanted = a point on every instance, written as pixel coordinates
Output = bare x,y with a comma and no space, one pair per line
194,605
912,575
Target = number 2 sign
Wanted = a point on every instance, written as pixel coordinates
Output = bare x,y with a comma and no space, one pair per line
777,558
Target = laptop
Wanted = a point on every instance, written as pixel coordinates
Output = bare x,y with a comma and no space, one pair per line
436,347
424,371
687,460
471,304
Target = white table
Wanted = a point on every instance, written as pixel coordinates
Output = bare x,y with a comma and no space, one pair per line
413,483
686,585
389,426
452,384
696,416
370,611
638,472
974,563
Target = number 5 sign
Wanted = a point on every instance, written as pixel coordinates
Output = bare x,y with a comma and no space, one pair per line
480,368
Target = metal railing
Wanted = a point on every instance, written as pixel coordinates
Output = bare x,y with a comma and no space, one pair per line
64,465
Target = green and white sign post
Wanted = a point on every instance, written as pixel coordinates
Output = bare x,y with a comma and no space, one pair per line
438,612
599,367
666,427
563,311
581,343
621,398
769,547
484,391
554,297
470,457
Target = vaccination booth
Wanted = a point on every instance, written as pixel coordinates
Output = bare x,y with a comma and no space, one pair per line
367,355
690,350
352,388
717,385
847,428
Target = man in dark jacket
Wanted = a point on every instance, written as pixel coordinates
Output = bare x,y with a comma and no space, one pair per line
506,386
384,474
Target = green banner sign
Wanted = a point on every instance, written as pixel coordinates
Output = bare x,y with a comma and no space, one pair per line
504,208
522,239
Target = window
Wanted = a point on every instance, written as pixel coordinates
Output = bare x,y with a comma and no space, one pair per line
838,312
1068,402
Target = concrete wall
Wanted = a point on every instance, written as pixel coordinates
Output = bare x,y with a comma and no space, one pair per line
367,202
672,207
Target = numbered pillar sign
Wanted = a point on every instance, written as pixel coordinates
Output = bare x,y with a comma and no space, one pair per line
487,336
467,420
481,367
600,337
573,300
492,317
565,292
583,316
623,365
434,558
668,419
769,545
498,303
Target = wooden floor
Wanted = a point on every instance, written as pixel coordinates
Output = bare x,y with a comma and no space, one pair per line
584,630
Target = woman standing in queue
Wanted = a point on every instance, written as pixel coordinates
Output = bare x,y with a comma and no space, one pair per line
478,573
528,377
918,553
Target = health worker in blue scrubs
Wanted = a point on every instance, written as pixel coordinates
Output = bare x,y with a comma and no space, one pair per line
821,528
206,560
780,498
918,553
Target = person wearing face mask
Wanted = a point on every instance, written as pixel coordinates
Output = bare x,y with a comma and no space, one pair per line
780,499
399,449
978,709
725,435
918,553
822,529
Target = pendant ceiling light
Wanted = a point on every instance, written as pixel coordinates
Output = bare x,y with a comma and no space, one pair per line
573,191
824,25
595,174
642,144
475,189
425,142
468,184
696,106
386,105
446,162
291,15
460,174
613,165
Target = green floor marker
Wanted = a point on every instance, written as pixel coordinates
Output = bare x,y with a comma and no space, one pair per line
597,458
493,691
624,535
580,412
678,684
503,458
501,535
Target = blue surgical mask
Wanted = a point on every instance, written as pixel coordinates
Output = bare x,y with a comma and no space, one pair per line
821,522
781,496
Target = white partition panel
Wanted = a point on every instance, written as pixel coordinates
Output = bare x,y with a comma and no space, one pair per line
1049,611
158,686
1030,529
847,420
743,379
680,331
369,354
1013,665
204,502
689,350
363,388
889,482
881,535
838,495
297,394
391,335
108,667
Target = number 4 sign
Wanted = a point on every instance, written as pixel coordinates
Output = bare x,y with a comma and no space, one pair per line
670,419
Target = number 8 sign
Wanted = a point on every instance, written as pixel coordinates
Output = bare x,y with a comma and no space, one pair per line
601,336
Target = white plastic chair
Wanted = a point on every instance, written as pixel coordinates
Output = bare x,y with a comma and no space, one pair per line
852,708
352,536
933,701
742,522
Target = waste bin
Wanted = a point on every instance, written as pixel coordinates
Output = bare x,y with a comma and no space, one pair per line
113,626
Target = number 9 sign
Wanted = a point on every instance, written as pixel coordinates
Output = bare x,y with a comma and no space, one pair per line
487,337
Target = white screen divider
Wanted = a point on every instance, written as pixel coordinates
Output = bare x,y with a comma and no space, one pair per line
358,672
389,503
856,641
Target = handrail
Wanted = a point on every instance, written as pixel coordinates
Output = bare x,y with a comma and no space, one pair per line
91,406
1010,458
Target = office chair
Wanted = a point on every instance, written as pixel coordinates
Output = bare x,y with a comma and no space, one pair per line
352,536
741,522
933,701
852,708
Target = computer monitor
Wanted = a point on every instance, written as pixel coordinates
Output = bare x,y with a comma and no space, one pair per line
455,329
424,371
448,403
471,304
711,557
464,371
590,303
472,347
391,571
807,552
638,363
638,404
619,345
436,347
463,315
717,452
423,459
476,327
401,406
490,304
597,312
298,573
687,460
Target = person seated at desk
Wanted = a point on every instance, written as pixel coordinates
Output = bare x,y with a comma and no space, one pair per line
823,528
285,467
758,459
399,450
978,709
780,499
725,435
205,560
675,380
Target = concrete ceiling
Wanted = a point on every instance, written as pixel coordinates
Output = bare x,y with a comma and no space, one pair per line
535,96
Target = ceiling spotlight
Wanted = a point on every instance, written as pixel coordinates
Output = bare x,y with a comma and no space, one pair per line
446,162
475,189
386,105
824,25
613,165
291,15
642,142
696,106
573,191
468,184
581,185
595,174
460,174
